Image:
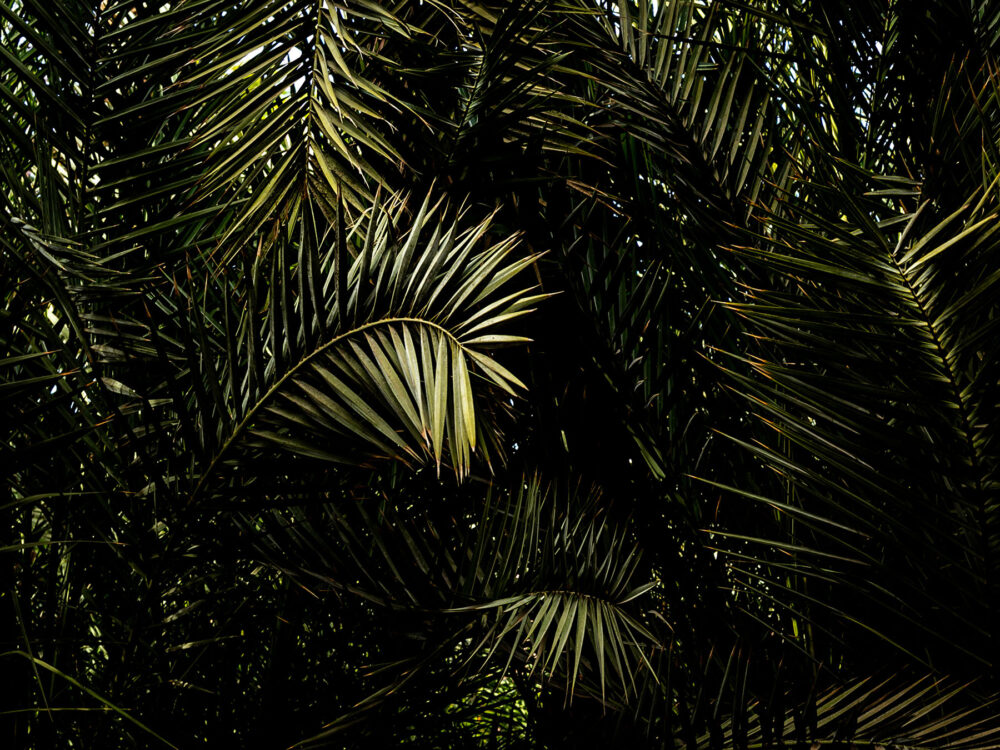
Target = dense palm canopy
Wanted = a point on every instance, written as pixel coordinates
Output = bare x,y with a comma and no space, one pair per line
544,373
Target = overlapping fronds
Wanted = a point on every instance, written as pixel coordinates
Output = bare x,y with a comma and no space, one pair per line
546,373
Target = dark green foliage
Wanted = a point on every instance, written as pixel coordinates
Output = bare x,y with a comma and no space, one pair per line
548,373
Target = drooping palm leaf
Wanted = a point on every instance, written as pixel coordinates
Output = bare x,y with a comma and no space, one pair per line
264,272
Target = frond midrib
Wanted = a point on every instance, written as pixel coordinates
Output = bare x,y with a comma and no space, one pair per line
242,425
961,400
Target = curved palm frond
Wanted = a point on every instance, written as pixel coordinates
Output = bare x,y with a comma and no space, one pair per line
728,454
